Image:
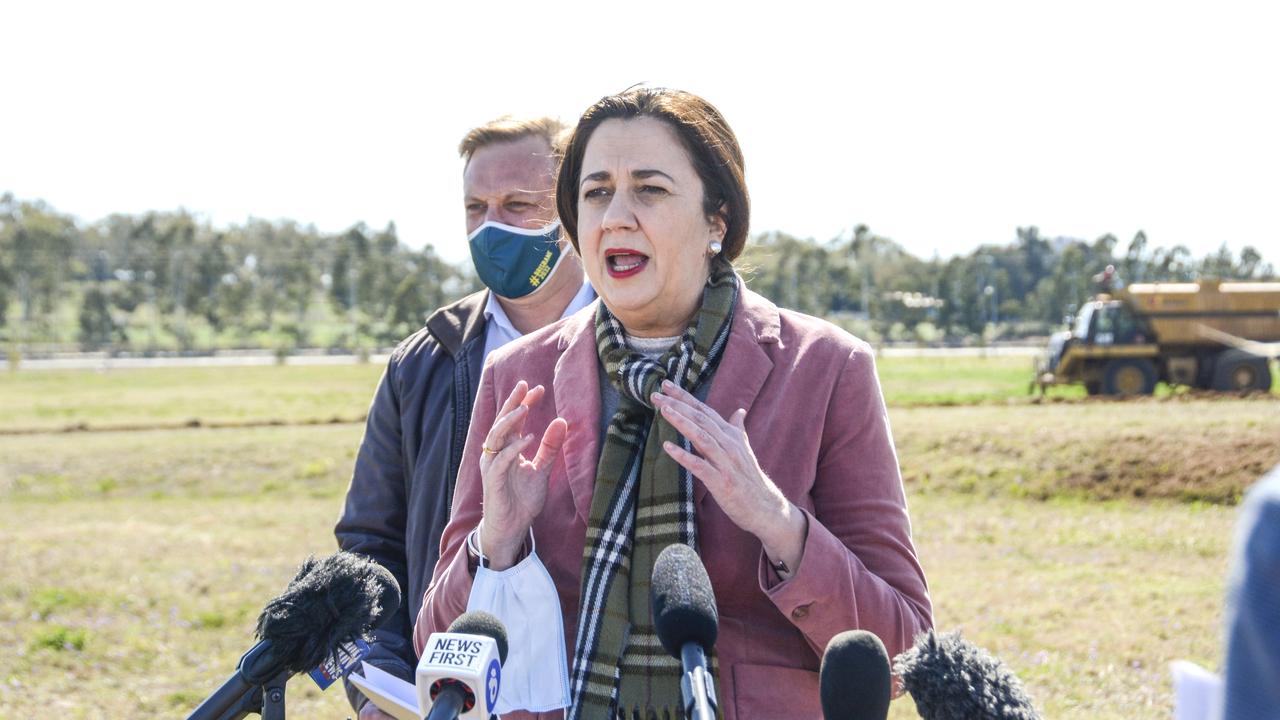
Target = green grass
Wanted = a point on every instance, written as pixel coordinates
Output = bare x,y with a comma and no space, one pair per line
168,397
58,638
232,462
958,380
56,399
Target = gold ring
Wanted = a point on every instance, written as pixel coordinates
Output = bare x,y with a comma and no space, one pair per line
488,450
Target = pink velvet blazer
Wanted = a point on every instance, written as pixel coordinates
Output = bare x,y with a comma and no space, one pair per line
817,423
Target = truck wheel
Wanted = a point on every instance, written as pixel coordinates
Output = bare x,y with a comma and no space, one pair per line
1237,371
1093,387
1129,376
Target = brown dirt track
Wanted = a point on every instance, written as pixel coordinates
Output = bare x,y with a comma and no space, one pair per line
1189,448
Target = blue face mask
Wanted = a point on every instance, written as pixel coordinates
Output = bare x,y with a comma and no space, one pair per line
512,261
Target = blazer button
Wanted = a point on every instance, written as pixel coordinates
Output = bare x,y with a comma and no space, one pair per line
801,612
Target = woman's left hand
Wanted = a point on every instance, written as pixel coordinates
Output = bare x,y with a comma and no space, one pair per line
726,464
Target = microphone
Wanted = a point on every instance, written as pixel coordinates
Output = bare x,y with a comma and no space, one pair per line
951,679
686,620
329,604
460,671
854,679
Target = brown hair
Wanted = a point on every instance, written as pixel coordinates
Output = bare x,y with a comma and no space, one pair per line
511,129
707,139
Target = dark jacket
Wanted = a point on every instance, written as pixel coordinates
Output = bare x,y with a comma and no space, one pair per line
402,486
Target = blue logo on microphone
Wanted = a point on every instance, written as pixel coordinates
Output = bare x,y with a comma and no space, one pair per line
492,681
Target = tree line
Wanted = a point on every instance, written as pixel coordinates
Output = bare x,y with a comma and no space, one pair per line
880,291
167,281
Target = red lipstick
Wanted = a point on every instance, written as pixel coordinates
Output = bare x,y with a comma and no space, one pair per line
624,262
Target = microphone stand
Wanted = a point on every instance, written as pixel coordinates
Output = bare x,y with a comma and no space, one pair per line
699,692
238,697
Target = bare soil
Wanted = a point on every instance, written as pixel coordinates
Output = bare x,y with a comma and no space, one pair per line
1192,449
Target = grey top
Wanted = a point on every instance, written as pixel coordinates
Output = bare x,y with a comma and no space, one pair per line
651,347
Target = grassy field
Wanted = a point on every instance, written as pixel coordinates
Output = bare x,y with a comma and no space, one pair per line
173,397
1087,602
59,399
959,380
135,606
1083,542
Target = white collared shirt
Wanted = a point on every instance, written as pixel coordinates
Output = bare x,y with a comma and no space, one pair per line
499,331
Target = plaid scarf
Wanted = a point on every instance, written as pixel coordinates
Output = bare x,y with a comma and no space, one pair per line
643,501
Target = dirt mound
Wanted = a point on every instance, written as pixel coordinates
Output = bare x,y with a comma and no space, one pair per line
1189,450
1209,469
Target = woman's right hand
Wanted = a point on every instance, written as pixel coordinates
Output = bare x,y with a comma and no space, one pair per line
515,488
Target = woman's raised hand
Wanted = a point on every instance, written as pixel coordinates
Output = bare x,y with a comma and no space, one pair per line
726,464
515,488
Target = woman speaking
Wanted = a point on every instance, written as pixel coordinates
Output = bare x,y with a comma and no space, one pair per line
681,408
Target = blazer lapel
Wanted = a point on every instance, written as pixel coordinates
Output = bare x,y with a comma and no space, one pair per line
745,364
576,387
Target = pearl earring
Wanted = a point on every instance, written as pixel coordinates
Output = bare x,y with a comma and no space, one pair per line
714,248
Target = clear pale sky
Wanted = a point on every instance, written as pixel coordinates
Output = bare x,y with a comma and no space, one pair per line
942,125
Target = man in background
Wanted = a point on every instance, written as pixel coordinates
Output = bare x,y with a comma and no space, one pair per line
402,486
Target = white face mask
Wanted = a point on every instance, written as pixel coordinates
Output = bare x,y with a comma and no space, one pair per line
535,676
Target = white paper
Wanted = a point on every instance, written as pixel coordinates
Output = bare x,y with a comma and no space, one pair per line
1197,693
391,694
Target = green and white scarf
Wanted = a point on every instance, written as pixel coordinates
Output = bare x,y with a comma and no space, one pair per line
643,502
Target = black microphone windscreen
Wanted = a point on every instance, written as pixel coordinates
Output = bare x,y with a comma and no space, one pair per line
951,679
683,604
329,602
388,593
854,679
479,622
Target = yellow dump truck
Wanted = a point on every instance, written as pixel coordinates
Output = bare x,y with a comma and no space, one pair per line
1124,343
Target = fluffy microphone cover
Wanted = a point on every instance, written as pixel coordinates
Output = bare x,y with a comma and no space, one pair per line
329,602
683,604
951,679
